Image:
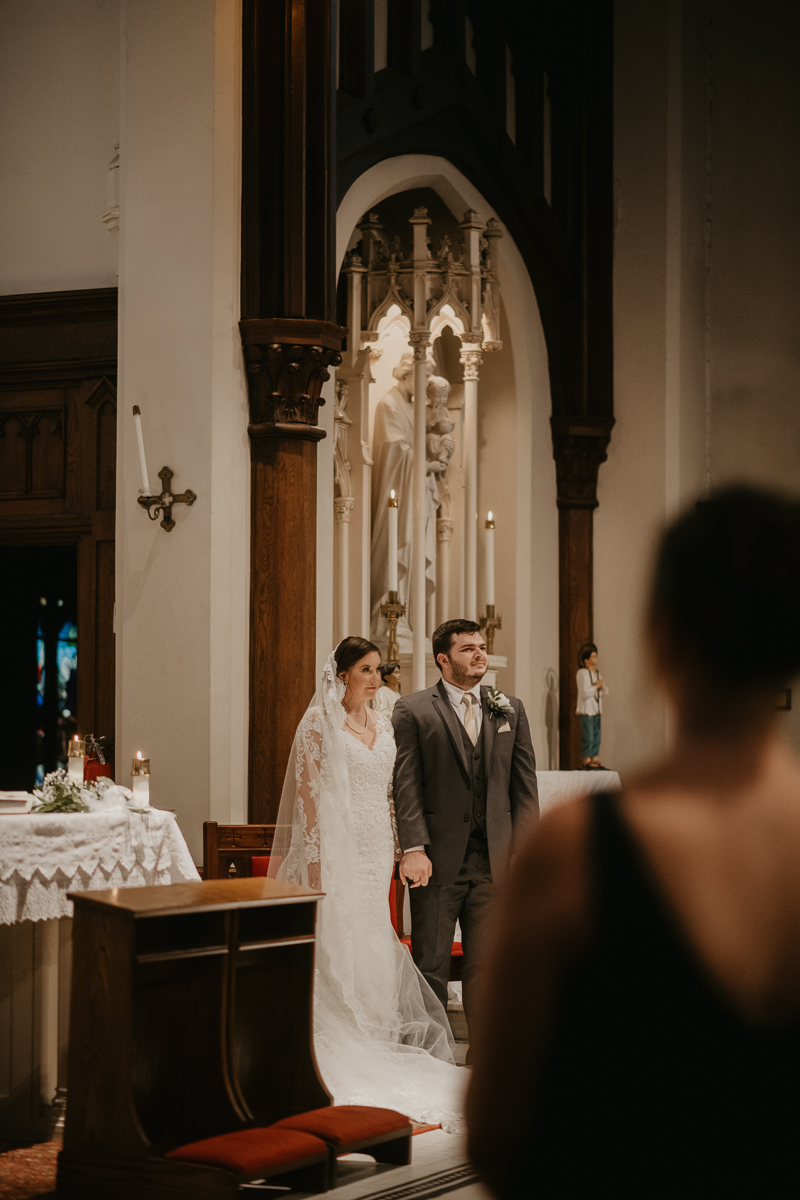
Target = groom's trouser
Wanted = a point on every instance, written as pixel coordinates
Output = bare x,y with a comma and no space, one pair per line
434,912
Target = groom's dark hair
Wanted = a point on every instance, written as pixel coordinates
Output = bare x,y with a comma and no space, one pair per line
442,638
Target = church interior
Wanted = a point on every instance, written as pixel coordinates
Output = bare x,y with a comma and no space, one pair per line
240,242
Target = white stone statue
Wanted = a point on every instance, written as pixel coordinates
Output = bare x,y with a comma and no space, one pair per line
440,445
393,458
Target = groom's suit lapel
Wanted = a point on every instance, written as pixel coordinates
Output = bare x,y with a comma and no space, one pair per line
441,702
489,729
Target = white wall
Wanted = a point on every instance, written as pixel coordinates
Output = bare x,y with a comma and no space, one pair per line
59,96
182,597
706,296
754,279
657,455
516,462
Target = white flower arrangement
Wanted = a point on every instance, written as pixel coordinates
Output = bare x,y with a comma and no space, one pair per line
58,794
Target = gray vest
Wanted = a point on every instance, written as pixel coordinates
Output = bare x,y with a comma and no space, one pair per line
477,774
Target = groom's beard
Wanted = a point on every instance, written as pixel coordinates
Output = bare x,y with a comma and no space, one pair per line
467,679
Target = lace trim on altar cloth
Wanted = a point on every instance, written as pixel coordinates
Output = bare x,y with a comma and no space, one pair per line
42,858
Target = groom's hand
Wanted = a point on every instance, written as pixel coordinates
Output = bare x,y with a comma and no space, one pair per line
416,867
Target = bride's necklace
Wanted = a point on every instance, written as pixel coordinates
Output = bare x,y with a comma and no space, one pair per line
360,732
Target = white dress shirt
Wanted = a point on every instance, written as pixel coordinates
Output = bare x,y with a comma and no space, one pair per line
455,696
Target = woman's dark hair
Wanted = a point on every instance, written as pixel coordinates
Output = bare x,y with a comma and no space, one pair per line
586,652
443,636
727,584
351,650
387,669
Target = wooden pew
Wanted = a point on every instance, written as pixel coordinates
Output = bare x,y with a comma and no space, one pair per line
188,1003
229,850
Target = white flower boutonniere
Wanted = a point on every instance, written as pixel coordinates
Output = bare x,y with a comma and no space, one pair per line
498,703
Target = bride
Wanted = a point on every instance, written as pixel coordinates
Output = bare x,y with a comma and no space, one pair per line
381,1036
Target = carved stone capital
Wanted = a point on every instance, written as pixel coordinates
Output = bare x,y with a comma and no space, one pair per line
287,363
579,447
419,340
343,507
471,361
444,529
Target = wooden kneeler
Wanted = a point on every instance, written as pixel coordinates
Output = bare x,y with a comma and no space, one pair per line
355,1128
182,997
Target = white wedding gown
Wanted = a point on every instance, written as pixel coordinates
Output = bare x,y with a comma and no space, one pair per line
381,1036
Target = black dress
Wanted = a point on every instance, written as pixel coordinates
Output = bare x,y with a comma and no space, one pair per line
654,1083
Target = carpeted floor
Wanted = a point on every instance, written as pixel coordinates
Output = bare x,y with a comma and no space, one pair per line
28,1172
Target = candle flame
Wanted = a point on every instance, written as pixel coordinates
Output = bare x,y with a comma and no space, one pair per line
391,493
490,517
139,754
76,738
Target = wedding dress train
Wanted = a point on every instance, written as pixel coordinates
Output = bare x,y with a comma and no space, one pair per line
380,1034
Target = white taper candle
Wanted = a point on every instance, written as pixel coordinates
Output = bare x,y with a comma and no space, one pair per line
393,511
137,416
490,560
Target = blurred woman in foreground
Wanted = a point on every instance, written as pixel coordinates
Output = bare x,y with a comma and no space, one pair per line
640,1025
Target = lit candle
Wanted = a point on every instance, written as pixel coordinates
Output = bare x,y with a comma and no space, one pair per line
392,542
137,417
76,749
490,560
140,774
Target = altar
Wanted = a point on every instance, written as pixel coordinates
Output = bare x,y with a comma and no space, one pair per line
42,858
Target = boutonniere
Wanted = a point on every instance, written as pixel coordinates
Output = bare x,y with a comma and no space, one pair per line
497,703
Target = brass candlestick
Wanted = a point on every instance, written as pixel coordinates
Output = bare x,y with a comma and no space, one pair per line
393,610
489,623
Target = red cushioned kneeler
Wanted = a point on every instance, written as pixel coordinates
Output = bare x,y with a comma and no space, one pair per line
350,1128
259,1153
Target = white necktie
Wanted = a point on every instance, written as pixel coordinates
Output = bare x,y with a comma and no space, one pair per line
470,720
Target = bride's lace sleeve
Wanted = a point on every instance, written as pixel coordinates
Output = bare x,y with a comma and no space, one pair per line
307,773
398,854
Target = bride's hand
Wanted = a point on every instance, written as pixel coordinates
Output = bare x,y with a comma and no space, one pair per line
314,877
416,867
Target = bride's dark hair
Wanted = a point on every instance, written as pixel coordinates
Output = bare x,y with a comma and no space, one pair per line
352,650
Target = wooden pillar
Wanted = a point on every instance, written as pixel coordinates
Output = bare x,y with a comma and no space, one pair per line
289,341
579,447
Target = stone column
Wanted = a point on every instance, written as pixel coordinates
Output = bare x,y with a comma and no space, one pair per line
343,507
419,342
289,341
471,358
444,534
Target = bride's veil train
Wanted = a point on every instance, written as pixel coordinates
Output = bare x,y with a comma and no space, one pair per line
381,1036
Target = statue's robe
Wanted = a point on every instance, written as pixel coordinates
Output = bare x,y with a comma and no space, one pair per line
393,468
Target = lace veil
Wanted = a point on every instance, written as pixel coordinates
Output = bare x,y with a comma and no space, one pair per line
366,983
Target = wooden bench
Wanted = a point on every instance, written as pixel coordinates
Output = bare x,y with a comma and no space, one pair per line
229,850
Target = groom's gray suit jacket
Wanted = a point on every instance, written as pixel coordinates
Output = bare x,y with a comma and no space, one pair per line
433,798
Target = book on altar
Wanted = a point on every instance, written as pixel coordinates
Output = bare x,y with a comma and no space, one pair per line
16,802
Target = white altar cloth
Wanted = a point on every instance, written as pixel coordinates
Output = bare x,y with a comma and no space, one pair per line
43,857
557,786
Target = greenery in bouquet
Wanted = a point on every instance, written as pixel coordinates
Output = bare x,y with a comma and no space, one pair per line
59,794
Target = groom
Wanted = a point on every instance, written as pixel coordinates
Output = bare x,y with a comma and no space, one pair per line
464,784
